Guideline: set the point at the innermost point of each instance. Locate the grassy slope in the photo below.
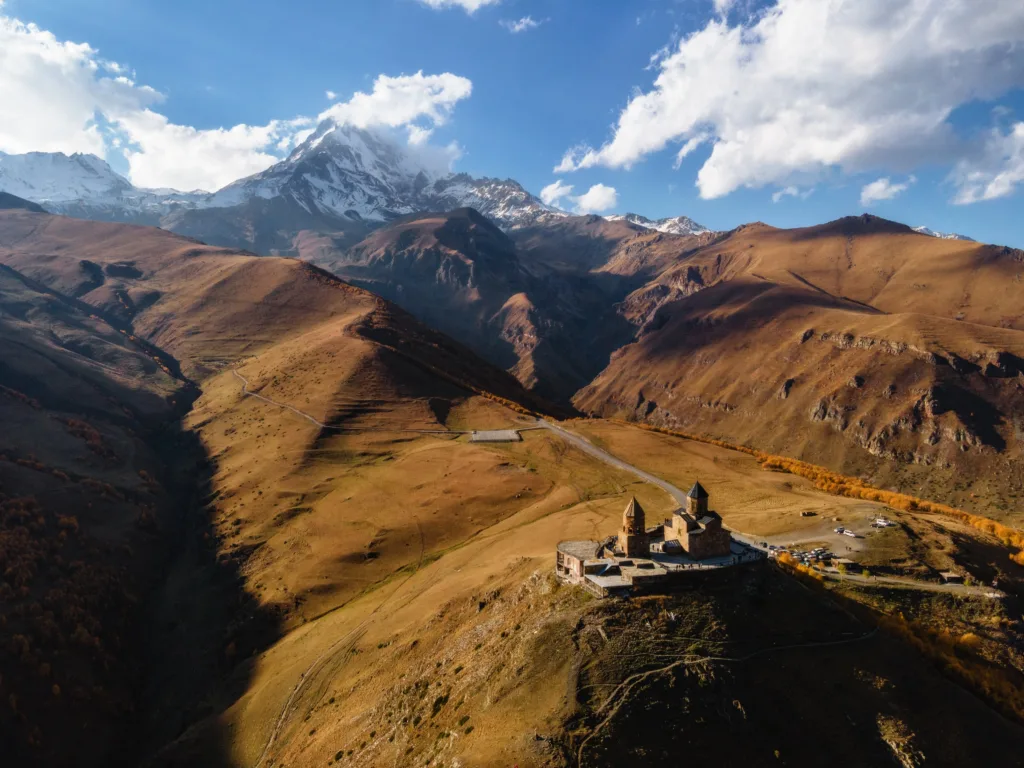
(392, 648)
(855, 345)
(389, 559)
(81, 509)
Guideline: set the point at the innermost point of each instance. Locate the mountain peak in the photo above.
(53, 177)
(675, 225)
(942, 235)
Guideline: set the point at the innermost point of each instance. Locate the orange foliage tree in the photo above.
(852, 487)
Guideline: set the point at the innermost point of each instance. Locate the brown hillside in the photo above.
(210, 306)
(540, 303)
(110, 556)
(331, 573)
(85, 513)
(859, 344)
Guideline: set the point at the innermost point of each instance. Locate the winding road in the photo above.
(588, 447)
(677, 494)
(680, 497)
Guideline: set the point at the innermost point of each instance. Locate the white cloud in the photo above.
(791, 191)
(51, 91)
(997, 172)
(522, 25)
(552, 193)
(58, 96)
(883, 189)
(811, 85)
(571, 160)
(162, 154)
(787, 192)
(397, 101)
(723, 6)
(596, 199)
(688, 148)
(469, 6)
(331, 95)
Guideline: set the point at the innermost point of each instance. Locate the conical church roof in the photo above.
(633, 509)
(697, 492)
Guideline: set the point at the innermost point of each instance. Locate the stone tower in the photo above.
(633, 540)
(697, 501)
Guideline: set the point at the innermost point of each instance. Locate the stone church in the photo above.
(695, 531)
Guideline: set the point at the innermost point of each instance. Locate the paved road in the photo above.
(588, 447)
(680, 496)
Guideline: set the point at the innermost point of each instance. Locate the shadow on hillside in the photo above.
(753, 668)
(205, 629)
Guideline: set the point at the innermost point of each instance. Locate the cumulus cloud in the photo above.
(996, 172)
(419, 135)
(401, 100)
(521, 25)
(597, 199)
(59, 96)
(331, 95)
(162, 154)
(883, 189)
(552, 193)
(51, 91)
(810, 85)
(469, 6)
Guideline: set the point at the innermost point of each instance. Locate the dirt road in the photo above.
(927, 586)
(680, 496)
(588, 447)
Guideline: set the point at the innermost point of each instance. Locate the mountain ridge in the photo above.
(339, 176)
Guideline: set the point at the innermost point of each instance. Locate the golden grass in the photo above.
(850, 487)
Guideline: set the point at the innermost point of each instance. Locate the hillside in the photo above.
(859, 344)
(539, 302)
(473, 654)
(112, 558)
(461, 274)
(87, 505)
(287, 551)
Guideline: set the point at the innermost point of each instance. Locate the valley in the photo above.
(512, 384)
(316, 565)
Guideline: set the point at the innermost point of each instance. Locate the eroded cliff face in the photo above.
(860, 391)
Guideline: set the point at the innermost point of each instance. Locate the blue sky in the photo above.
(566, 82)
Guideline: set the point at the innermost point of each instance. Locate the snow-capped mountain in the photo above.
(942, 235)
(356, 174)
(504, 201)
(86, 186)
(338, 174)
(675, 225)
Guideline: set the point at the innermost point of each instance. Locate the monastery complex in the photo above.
(642, 559)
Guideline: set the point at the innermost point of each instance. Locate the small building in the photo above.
(570, 557)
(951, 577)
(698, 529)
(496, 436)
